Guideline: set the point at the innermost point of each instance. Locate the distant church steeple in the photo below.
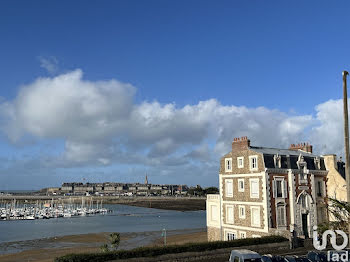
(146, 180)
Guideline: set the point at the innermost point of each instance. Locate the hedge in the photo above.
(171, 249)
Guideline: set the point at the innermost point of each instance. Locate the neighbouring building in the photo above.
(266, 191)
(117, 189)
(336, 183)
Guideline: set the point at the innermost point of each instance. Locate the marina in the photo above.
(47, 210)
(122, 219)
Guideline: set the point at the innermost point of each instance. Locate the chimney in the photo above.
(302, 146)
(239, 144)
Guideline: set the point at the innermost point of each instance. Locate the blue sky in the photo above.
(267, 69)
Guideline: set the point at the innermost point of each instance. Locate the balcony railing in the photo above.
(213, 197)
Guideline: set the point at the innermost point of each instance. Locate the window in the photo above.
(281, 216)
(214, 213)
(241, 210)
(279, 188)
(255, 216)
(229, 214)
(302, 201)
(254, 188)
(242, 234)
(228, 164)
(241, 185)
(240, 162)
(317, 162)
(253, 162)
(230, 236)
(277, 160)
(303, 177)
(228, 188)
(319, 188)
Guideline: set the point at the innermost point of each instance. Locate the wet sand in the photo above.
(183, 239)
(45, 250)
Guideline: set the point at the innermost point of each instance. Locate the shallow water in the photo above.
(123, 219)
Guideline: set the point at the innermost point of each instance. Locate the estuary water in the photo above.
(122, 219)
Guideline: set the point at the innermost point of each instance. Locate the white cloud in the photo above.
(101, 124)
(50, 64)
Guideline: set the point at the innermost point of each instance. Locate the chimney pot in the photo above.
(239, 144)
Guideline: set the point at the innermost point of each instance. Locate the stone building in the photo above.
(266, 191)
(336, 184)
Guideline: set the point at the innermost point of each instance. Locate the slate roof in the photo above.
(289, 158)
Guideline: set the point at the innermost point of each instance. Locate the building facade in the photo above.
(266, 191)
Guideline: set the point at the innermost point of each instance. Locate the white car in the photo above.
(244, 255)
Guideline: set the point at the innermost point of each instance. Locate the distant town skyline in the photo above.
(114, 90)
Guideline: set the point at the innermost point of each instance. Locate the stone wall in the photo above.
(242, 196)
(213, 233)
(243, 221)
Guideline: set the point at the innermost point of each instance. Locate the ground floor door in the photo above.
(305, 225)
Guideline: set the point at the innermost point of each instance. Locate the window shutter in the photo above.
(285, 189)
(274, 188)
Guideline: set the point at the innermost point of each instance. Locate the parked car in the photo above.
(302, 259)
(317, 256)
(271, 258)
(290, 259)
(244, 255)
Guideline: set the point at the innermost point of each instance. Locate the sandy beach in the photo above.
(45, 250)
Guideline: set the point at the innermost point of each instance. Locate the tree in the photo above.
(340, 210)
(211, 190)
(114, 243)
(115, 240)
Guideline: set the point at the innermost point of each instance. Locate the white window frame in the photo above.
(255, 195)
(228, 160)
(239, 211)
(242, 234)
(239, 188)
(214, 217)
(252, 218)
(229, 184)
(238, 162)
(283, 187)
(232, 232)
(279, 225)
(251, 162)
(233, 214)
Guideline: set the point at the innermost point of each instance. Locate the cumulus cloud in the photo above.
(100, 124)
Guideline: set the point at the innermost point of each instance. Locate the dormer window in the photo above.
(302, 169)
(317, 163)
(277, 161)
